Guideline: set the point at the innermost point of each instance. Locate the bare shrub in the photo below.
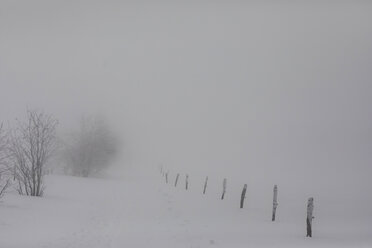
(32, 143)
(90, 149)
(4, 175)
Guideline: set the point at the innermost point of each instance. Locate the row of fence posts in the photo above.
(310, 205)
(224, 185)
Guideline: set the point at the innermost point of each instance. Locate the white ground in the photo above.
(139, 212)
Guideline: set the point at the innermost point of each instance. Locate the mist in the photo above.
(250, 91)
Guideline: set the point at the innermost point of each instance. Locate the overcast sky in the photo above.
(273, 90)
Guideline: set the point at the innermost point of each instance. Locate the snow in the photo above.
(140, 210)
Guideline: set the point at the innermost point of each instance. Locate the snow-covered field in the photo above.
(143, 211)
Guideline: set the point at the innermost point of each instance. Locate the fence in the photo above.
(204, 188)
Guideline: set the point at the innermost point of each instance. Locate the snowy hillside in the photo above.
(143, 211)
(259, 93)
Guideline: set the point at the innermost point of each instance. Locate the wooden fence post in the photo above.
(243, 196)
(187, 181)
(175, 183)
(275, 202)
(205, 185)
(309, 217)
(223, 188)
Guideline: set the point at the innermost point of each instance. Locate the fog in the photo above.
(251, 91)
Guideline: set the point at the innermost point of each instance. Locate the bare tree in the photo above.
(32, 143)
(90, 149)
(3, 146)
(4, 175)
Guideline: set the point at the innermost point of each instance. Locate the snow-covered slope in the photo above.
(143, 211)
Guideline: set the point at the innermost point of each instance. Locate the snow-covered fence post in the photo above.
(275, 201)
(166, 177)
(205, 185)
(243, 196)
(175, 183)
(309, 217)
(187, 181)
(223, 188)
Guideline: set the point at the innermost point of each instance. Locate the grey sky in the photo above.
(242, 88)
